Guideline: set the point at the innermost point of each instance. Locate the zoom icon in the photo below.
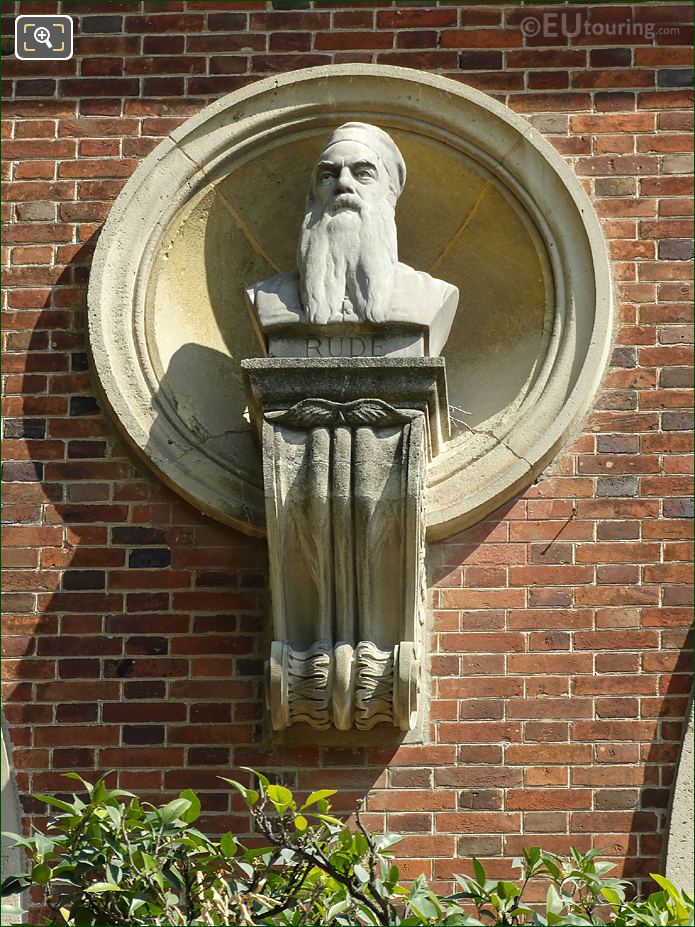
(43, 38)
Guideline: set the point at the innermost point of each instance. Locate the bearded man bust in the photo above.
(349, 280)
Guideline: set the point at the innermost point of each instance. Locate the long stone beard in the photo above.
(349, 254)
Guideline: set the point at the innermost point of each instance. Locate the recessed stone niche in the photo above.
(488, 206)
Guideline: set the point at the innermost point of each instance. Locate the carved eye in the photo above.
(363, 173)
(325, 176)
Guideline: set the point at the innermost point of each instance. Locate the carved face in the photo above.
(348, 175)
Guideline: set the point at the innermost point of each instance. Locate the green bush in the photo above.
(113, 860)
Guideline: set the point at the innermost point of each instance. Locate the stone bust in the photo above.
(348, 272)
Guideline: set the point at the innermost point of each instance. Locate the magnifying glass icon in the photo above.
(43, 36)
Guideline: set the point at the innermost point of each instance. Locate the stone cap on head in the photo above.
(379, 142)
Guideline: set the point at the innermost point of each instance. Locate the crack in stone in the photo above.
(461, 229)
(239, 220)
(203, 441)
(500, 441)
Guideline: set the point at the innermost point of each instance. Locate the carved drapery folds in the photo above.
(343, 514)
(344, 483)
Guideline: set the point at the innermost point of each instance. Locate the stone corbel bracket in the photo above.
(344, 478)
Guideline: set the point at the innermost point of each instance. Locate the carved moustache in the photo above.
(346, 201)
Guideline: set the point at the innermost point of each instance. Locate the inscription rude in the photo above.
(345, 346)
(347, 342)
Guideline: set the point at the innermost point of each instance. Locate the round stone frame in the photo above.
(460, 491)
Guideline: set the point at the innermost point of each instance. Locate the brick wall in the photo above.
(134, 626)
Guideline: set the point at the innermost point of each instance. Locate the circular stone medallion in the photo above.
(489, 206)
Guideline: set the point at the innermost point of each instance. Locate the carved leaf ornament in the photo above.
(322, 413)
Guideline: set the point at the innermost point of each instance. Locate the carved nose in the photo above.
(345, 182)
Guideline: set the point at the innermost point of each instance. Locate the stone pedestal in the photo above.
(344, 476)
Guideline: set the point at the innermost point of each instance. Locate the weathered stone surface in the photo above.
(679, 859)
(12, 857)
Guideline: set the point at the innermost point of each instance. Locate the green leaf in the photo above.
(383, 842)
(136, 903)
(100, 791)
(11, 910)
(113, 874)
(337, 908)
(55, 802)
(325, 817)
(478, 870)
(610, 895)
(228, 845)
(263, 780)
(425, 907)
(173, 810)
(120, 793)
(459, 919)
(318, 796)
(99, 888)
(78, 778)
(666, 884)
(26, 842)
(44, 844)
(508, 890)
(143, 862)
(532, 855)
(193, 812)
(300, 822)
(281, 797)
(13, 884)
(116, 815)
(553, 902)
(250, 796)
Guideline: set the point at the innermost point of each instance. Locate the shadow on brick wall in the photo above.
(141, 626)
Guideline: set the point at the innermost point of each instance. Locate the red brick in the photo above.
(481, 38)
(476, 822)
(341, 40)
(129, 757)
(64, 735)
(415, 18)
(555, 58)
(435, 60)
(477, 777)
(165, 23)
(546, 799)
(482, 598)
